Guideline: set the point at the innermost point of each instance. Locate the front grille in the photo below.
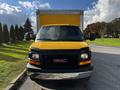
(63, 61)
(72, 56)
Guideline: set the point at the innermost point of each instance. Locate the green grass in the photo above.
(12, 61)
(106, 42)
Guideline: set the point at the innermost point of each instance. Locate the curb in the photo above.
(15, 84)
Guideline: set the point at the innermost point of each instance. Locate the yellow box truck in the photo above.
(59, 51)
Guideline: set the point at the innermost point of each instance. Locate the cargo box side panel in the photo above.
(73, 19)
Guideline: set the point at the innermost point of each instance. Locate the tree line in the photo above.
(104, 29)
(15, 33)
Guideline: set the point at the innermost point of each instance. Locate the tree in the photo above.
(12, 34)
(5, 34)
(21, 33)
(103, 29)
(16, 32)
(27, 26)
(0, 33)
(115, 27)
(99, 28)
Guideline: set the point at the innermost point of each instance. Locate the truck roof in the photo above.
(60, 11)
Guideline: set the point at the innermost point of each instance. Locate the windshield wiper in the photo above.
(46, 39)
(70, 39)
(61, 39)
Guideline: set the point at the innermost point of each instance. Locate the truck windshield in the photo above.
(60, 33)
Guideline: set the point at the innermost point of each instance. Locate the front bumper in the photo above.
(37, 73)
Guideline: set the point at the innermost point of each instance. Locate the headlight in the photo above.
(35, 56)
(84, 56)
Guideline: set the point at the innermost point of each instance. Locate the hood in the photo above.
(58, 45)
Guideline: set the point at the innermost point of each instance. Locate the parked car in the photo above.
(29, 36)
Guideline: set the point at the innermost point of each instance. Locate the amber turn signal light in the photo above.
(34, 62)
(85, 62)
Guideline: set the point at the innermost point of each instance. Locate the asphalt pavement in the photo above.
(106, 75)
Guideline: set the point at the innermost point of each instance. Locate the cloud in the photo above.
(45, 5)
(26, 4)
(106, 10)
(10, 14)
(9, 9)
(33, 21)
(34, 4)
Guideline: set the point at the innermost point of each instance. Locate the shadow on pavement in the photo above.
(64, 84)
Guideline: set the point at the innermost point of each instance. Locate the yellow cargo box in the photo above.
(72, 17)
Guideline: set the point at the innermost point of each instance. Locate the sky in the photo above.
(16, 11)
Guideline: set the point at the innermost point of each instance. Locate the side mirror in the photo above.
(92, 36)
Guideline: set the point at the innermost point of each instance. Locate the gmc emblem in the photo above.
(60, 60)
